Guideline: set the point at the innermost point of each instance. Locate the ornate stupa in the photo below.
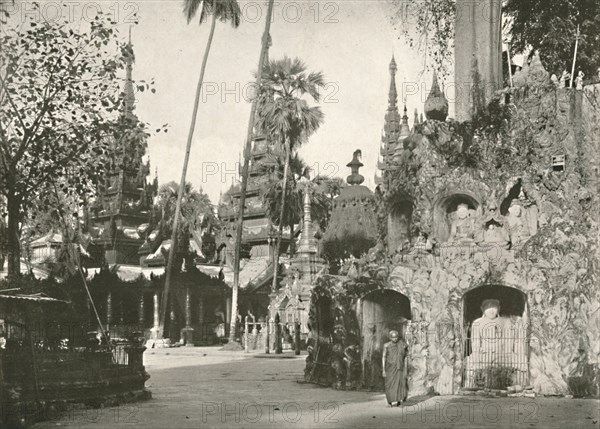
(391, 128)
(353, 226)
(436, 105)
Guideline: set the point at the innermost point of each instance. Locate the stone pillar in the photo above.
(141, 320)
(228, 309)
(187, 333)
(156, 320)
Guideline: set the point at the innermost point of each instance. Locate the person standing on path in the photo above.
(394, 369)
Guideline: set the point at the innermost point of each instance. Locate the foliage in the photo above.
(550, 27)
(494, 377)
(485, 143)
(60, 107)
(282, 112)
(196, 209)
(433, 22)
(286, 116)
(329, 188)
(224, 10)
(322, 191)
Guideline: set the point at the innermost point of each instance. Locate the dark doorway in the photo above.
(380, 312)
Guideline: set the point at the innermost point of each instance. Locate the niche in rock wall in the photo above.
(521, 214)
(448, 218)
(399, 224)
(379, 312)
(495, 344)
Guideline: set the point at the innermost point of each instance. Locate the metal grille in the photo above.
(496, 357)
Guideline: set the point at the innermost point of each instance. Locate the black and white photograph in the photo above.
(299, 214)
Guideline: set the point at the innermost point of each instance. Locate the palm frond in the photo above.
(225, 10)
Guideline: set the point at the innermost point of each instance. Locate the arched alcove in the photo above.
(379, 312)
(495, 349)
(324, 323)
(443, 209)
(399, 223)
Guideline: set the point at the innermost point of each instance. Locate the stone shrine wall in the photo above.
(526, 230)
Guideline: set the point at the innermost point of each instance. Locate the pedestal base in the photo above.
(187, 336)
(158, 343)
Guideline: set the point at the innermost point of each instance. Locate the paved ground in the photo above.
(206, 388)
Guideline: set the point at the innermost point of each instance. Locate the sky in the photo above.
(351, 42)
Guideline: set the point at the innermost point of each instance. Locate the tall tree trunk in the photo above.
(13, 245)
(244, 185)
(169, 275)
(281, 212)
(292, 248)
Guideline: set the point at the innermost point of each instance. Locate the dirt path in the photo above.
(206, 388)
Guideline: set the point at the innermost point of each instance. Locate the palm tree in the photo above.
(266, 39)
(287, 117)
(196, 209)
(224, 10)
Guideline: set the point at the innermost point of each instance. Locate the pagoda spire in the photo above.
(393, 93)
(391, 128)
(129, 98)
(308, 243)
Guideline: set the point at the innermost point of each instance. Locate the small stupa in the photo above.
(436, 105)
(353, 226)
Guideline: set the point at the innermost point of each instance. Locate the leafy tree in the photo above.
(286, 116)
(550, 27)
(328, 188)
(196, 208)
(60, 111)
(273, 165)
(196, 213)
(225, 11)
(428, 26)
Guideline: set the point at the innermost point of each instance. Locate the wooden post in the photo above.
(268, 331)
(297, 337)
(200, 310)
(187, 332)
(510, 76)
(246, 334)
(278, 346)
(141, 320)
(108, 310)
(188, 307)
(575, 57)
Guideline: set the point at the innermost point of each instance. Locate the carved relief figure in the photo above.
(521, 220)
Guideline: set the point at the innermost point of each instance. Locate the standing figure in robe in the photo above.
(394, 365)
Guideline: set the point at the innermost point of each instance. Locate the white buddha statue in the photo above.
(462, 227)
(488, 333)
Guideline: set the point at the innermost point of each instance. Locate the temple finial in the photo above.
(355, 178)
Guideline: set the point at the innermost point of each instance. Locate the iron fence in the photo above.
(496, 361)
